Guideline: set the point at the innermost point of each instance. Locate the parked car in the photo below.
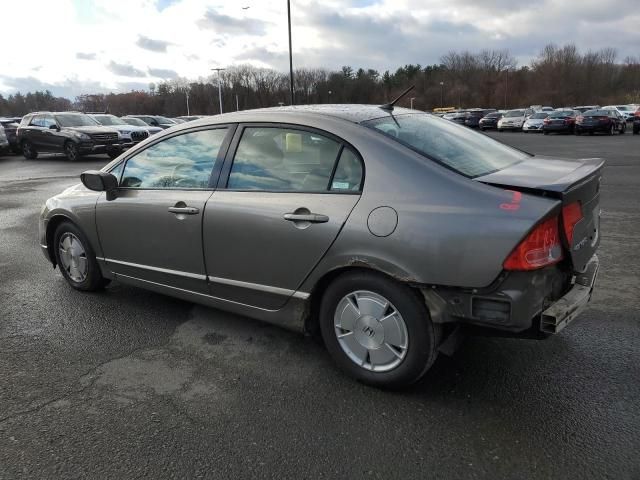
(473, 117)
(490, 121)
(459, 116)
(4, 141)
(636, 122)
(584, 108)
(72, 133)
(535, 122)
(129, 134)
(625, 110)
(10, 126)
(560, 121)
(513, 120)
(139, 123)
(189, 118)
(601, 120)
(155, 120)
(270, 214)
(178, 120)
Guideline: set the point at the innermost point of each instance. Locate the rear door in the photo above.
(152, 230)
(284, 194)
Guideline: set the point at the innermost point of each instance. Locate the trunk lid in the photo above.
(569, 181)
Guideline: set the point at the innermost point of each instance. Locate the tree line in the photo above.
(558, 76)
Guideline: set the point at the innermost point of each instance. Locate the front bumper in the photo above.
(558, 128)
(509, 126)
(89, 148)
(532, 128)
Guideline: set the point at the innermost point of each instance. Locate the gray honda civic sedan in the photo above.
(382, 229)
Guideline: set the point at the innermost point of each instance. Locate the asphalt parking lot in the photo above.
(127, 383)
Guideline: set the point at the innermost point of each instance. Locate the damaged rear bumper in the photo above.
(518, 303)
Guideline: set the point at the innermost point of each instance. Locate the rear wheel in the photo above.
(76, 259)
(623, 128)
(71, 151)
(28, 150)
(377, 330)
(611, 130)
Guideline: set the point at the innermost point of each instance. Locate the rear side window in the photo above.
(37, 121)
(283, 159)
(454, 146)
(181, 162)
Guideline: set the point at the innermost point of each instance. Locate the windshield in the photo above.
(135, 121)
(164, 120)
(539, 115)
(494, 115)
(108, 120)
(76, 120)
(514, 113)
(454, 146)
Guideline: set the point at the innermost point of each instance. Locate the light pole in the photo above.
(441, 94)
(186, 92)
(237, 107)
(219, 85)
(411, 100)
(290, 54)
(506, 87)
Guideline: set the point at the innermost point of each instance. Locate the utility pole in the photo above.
(290, 54)
(219, 85)
(237, 104)
(506, 87)
(186, 92)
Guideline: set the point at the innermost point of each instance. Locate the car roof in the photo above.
(351, 112)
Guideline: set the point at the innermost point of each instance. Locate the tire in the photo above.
(545, 132)
(500, 130)
(636, 131)
(71, 151)
(623, 129)
(29, 151)
(577, 132)
(79, 266)
(611, 130)
(401, 351)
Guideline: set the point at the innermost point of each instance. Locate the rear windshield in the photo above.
(596, 113)
(454, 146)
(562, 113)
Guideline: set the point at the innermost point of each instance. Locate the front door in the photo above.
(287, 195)
(152, 230)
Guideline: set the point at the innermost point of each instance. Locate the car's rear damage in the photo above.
(550, 292)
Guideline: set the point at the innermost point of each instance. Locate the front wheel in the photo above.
(611, 130)
(623, 128)
(377, 330)
(71, 151)
(29, 151)
(76, 259)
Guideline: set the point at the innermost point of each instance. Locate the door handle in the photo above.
(306, 217)
(185, 210)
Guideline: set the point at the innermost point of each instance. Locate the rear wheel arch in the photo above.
(312, 319)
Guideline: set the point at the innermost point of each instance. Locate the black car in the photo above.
(10, 129)
(72, 133)
(490, 121)
(473, 117)
(560, 121)
(155, 120)
(600, 120)
(636, 122)
(458, 116)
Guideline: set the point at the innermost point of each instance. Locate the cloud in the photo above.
(85, 56)
(151, 44)
(163, 73)
(125, 70)
(221, 23)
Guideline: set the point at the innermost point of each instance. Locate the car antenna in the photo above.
(389, 106)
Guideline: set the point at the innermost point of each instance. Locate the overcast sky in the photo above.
(84, 46)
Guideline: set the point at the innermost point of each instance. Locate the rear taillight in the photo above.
(571, 214)
(540, 248)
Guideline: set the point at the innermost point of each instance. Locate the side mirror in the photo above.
(54, 127)
(99, 181)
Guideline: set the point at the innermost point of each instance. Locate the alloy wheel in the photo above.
(73, 257)
(371, 331)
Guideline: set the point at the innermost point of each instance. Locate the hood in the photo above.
(92, 130)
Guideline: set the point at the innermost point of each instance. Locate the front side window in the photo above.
(76, 120)
(37, 121)
(181, 162)
(283, 159)
(451, 145)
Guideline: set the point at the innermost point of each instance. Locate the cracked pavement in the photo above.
(128, 383)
